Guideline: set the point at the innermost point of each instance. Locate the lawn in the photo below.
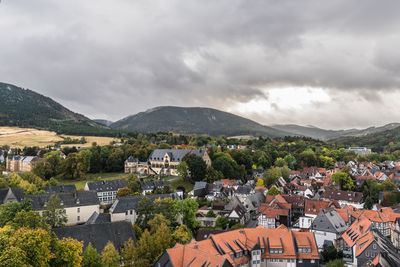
(187, 185)
(80, 184)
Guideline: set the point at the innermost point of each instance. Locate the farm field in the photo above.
(20, 137)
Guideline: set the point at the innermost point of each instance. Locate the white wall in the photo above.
(321, 236)
(84, 214)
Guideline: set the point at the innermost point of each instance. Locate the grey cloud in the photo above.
(112, 59)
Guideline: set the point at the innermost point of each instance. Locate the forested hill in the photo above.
(194, 120)
(25, 108)
(383, 141)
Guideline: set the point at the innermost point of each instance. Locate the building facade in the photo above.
(20, 163)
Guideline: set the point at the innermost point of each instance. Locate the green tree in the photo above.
(387, 185)
(13, 257)
(196, 167)
(35, 243)
(260, 182)
(211, 214)
(128, 253)
(221, 222)
(182, 234)
(280, 162)
(145, 212)
(145, 251)
(137, 230)
(369, 203)
(182, 169)
(134, 183)
(29, 219)
(74, 166)
(91, 258)
(9, 210)
(285, 172)
(110, 256)
(271, 176)
(54, 213)
(166, 207)
(290, 161)
(125, 191)
(225, 164)
(213, 175)
(188, 208)
(3, 182)
(68, 252)
(273, 191)
(343, 180)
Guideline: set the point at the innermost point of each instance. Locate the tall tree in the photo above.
(68, 253)
(196, 166)
(110, 256)
(128, 253)
(55, 213)
(188, 208)
(145, 212)
(91, 258)
(343, 180)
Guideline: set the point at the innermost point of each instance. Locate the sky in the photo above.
(331, 64)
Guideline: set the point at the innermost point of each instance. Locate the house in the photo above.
(124, 208)
(246, 247)
(243, 191)
(106, 190)
(99, 218)
(200, 189)
(20, 163)
(236, 211)
(344, 197)
(360, 151)
(99, 234)
(273, 217)
(328, 226)
(313, 207)
(298, 203)
(163, 161)
(15, 194)
(366, 245)
(78, 205)
(60, 188)
(381, 219)
(150, 186)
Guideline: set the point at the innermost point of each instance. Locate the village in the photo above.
(305, 219)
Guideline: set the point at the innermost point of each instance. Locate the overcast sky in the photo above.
(333, 64)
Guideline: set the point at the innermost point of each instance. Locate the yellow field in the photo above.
(21, 137)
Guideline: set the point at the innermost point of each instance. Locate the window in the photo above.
(131, 212)
(126, 212)
(79, 210)
(79, 218)
(312, 261)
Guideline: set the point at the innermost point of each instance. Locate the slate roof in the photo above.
(99, 218)
(107, 185)
(175, 155)
(17, 191)
(69, 199)
(123, 204)
(333, 193)
(131, 159)
(333, 217)
(243, 190)
(60, 188)
(150, 185)
(99, 234)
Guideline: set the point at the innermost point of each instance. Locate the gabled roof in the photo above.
(69, 199)
(18, 192)
(122, 204)
(99, 234)
(359, 227)
(333, 193)
(175, 155)
(107, 185)
(337, 224)
(99, 218)
(226, 246)
(314, 206)
(131, 159)
(60, 188)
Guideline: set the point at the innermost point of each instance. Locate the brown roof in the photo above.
(221, 247)
(314, 206)
(333, 193)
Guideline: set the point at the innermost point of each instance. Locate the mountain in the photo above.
(103, 122)
(322, 134)
(194, 120)
(25, 108)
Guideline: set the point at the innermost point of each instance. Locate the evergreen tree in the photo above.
(91, 258)
(110, 256)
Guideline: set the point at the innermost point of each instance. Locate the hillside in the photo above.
(194, 120)
(103, 122)
(322, 134)
(25, 108)
(378, 142)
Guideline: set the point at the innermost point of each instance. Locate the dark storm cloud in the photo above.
(110, 59)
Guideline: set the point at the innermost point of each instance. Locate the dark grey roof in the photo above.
(99, 234)
(176, 155)
(99, 218)
(150, 185)
(123, 204)
(131, 159)
(69, 199)
(18, 192)
(107, 185)
(243, 190)
(199, 185)
(60, 188)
